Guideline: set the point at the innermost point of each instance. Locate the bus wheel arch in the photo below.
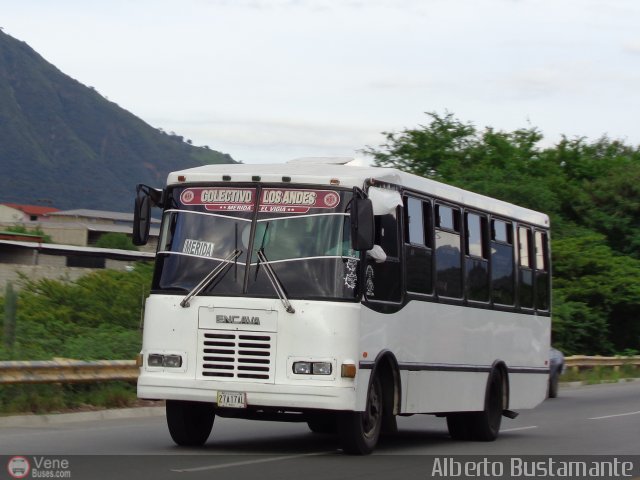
(360, 431)
(386, 367)
(500, 367)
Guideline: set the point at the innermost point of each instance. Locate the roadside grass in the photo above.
(57, 398)
(597, 375)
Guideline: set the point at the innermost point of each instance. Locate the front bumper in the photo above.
(295, 397)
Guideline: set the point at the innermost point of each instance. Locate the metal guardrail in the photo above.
(67, 371)
(76, 371)
(576, 362)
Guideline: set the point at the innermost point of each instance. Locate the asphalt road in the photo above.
(588, 420)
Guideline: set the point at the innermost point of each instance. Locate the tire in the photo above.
(458, 426)
(360, 431)
(190, 423)
(324, 423)
(554, 378)
(481, 426)
(485, 425)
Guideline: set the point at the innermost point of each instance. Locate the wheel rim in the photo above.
(372, 417)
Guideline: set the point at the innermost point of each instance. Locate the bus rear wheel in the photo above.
(190, 423)
(360, 431)
(482, 426)
(554, 378)
(458, 425)
(485, 426)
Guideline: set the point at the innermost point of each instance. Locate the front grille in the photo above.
(245, 356)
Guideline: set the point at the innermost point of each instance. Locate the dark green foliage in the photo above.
(591, 190)
(599, 293)
(115, 240)
(10, 308)
(65, 145)
(29, 231)
(94, 318)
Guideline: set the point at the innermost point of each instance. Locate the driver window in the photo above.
(386, 234)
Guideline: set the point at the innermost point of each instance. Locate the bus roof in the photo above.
(352, 173)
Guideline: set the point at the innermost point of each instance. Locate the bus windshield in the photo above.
(303, 234)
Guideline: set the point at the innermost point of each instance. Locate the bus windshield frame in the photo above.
(302, 231)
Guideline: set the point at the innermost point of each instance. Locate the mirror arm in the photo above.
(154, 194)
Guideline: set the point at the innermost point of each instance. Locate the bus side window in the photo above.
(418, 252)
(447, 244)
(525, 267)
(476, 257)
(502, 268)
(542, 271)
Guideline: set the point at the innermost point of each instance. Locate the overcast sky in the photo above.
(271, 80)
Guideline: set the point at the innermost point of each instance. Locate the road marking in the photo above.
(518, 428)
(617, 415)
(247, 462)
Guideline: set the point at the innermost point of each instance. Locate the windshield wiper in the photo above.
(261, 249)
(210, 277)
(273, 278)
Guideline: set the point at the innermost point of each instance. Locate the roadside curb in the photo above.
(60, 418)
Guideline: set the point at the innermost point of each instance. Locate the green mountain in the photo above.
(62, 144)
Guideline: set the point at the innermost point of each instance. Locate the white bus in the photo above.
(341, 296)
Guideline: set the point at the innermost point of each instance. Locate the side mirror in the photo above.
(141, 218)
(362, 225)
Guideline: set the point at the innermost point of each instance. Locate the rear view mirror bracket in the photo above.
(146, 197)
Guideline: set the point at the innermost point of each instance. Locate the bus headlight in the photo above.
(167, 361)
(154, 360)
(312, 368)
(172, 361)
(321, 368)
(302, 368)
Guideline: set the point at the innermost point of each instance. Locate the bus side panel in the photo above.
(527, 391)
(448, 351)
(458, 391)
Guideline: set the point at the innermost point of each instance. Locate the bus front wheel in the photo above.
(359, 431)
(322, 423)
(190, 423)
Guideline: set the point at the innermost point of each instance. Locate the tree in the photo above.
(423, 151)
(115, 240)
(10, 310)
(589, 189)
(597, 296)
(95, 317)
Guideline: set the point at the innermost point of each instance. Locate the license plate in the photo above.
(232, 400)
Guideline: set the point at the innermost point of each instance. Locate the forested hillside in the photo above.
(63, 144)
(590, 189)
